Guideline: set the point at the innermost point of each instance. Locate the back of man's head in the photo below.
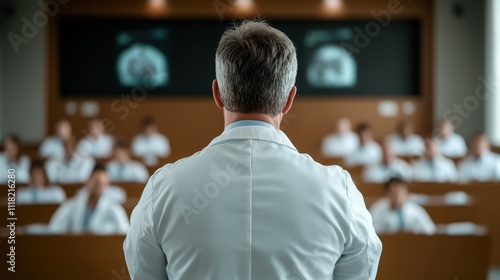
(256, 66)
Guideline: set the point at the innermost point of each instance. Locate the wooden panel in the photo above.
(416, 257)
(101, 257)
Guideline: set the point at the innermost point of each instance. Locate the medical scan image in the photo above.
(140, 62)
(330, 64)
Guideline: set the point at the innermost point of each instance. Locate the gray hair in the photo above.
(255, 66)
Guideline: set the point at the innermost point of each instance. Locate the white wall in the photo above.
(493, 69)
(22, 80)
(459, 61)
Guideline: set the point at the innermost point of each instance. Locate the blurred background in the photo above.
(95, 95)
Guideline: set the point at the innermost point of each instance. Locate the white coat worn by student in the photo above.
(108, 217)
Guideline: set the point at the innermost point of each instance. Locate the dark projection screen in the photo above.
(109, 57)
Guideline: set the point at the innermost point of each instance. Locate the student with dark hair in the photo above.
(481, 164)
(122, 168)
(150, 144)
(72, 167)
(91, 210)
(12, 157)
(395, 213)
(39, 191)
(369, 152)
(405, 141)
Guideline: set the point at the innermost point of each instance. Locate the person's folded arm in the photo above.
(363, 248)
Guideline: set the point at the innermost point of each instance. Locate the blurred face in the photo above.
(397, 194)
(96, 128)
(63, 130)
(446, 129)
(343, 126)
(98, 182)
(479, 145)
(121, 154)
(11, 148)
(405, 130)
(365, 136)
(37, 177)
(150, 129)
(431, 149)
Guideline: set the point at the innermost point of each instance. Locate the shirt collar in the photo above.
(248, 123)
(262, 131)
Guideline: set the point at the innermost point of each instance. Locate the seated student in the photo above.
(72, 167)
(390, 166)
(450, 144)
(405, 142)
(12, 158)
(481, 164)
(433, 167)
(150, 144)
(91, 210)
(38, 191)
(395, 213)
(53, 146)
(369, 151)
(122, 169)
(342, 142)
(96, 143)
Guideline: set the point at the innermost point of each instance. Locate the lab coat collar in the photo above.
(254, 133)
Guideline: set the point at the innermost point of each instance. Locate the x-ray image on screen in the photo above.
(141, 61)
(330, 65)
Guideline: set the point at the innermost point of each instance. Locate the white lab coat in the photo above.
(100, 147)
(453, 146)
(52, 147)
(415, 218)
(368, 154)
(440, 169)
(114, 193)
(108, 217)
(150, 148)
(485, 168)
(339, 145)
(379, 173)
(40, 195)
(413, 145)
(76, 170)
(249, 206)
(131, 171)
(22, 168)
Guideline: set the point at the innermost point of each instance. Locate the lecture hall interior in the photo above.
(97, 95)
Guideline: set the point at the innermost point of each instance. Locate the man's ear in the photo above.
(216, 93)
(289, 101)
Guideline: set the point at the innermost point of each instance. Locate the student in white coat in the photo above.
(450, 143)
(390, 166)
(481, 164)
(369, 151)
(433, 167)
(342, 142)
(73, 167)
(249, 205)
(395, 213)
(12, 157)
(123, 169)
(39, 191)
(91, 211)
(53, 146)
(150, 144)
(97, 142)
(405, 142)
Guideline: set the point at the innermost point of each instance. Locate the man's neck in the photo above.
(231, 117)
